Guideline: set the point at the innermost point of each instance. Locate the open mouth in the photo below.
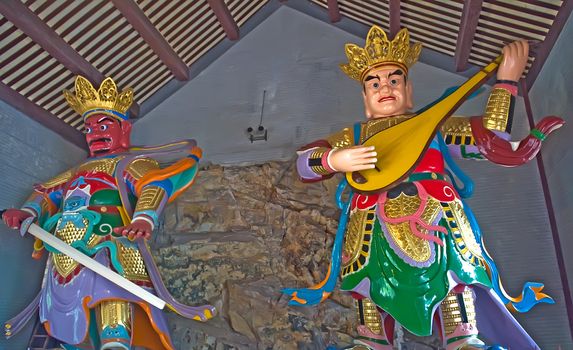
(103, 140)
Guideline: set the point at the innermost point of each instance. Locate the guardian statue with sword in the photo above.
(101, 288)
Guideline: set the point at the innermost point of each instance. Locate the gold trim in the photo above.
(113, 313)
(59, 179)
(374, 126)
(497, 110)
(87, 98)
(371, 315)
(354, 234)
(342, 139)
(451, 310)
(357, 240)
(150, 198)
(69, 233)
(380, 51)
(462, 233)
(458, 126)
(132, 263)
(412, 246)
(104, 165)
(318, 154)
(141, 166)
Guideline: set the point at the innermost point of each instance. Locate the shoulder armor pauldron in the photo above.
(141, 166)
(58, 180)
(341, 139)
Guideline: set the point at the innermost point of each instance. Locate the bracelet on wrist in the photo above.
(505, 81)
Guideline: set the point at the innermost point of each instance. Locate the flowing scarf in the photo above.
(531, 294)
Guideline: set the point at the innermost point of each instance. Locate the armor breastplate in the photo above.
(91, 209)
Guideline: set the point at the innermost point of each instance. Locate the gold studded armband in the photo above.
(317, 161)
(457, 131)
(499, 110)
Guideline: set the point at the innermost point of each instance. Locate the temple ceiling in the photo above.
(148, 44)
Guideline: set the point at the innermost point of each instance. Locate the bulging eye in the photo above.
(376, 85)
(88, 130)
(394, 82)
(103, 127)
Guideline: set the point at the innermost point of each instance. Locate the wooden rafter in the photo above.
(33, 26)
(225, 18)
(28, 22)
(542, 51)
(394, 6)
(333, 11)
(468, 26)
(42, 116)
(136, 17)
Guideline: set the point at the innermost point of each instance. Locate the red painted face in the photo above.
(106, 135)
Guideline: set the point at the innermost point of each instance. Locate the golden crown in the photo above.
(106, 100)
(380, 51)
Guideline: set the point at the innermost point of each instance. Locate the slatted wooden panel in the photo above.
(31, 71)
(368, 12)
(503, 21)
(99, 33)
(242, 10)
(188, 26)
(433, 23)
(191, 28)
(436, 24)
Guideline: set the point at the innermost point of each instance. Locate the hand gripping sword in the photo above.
(48, 238)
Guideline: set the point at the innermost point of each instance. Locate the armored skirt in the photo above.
(407, 248)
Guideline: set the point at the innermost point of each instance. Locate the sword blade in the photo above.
(95, 266)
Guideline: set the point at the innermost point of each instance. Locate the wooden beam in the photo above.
(42, 116)
(394, 8)
(545, 47)
(225, 18)
(468, 25)
(28, 22)
(139, 21)
(33, 26)
(333, 10)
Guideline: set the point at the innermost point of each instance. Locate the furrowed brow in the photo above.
(396, 72)
(370, 77)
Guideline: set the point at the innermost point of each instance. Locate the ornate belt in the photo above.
(425, 176)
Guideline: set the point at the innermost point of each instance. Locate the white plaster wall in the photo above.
(295, 59)
(29, 154)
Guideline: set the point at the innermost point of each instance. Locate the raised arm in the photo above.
(498, 114)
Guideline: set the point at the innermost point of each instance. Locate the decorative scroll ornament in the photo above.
(106, 100)
(380, 51)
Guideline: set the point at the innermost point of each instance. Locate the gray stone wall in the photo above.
(239, 236)
(235, 239)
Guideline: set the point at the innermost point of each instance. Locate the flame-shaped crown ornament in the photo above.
(106, 100)
(380, 51)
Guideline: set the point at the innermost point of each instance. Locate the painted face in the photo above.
(386, 92)
(106, 135)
